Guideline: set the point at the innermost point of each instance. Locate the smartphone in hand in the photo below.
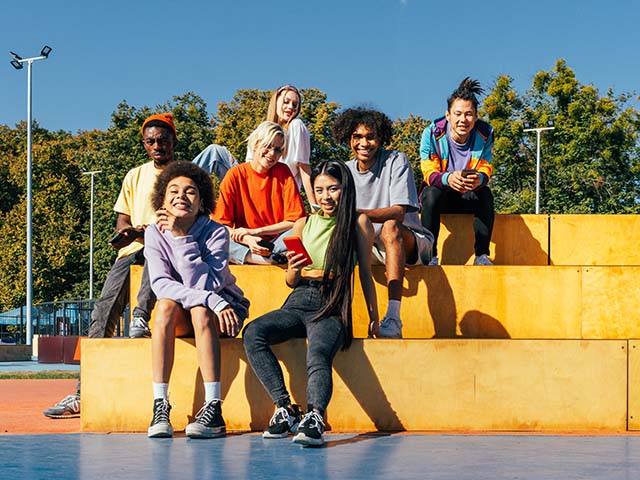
(295, 245)
(120, 240)
(267, 244)
(117, 241)
(468, 171)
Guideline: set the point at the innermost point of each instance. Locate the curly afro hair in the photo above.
(180, 168)
(349, 120)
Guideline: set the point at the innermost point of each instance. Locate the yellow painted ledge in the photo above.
(483, 302)
(634, 384)
(516, 240)
(532, 385)
(594, 239)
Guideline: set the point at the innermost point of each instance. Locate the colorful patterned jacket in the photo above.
(434, 152)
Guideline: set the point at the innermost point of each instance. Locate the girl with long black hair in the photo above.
(319, 307)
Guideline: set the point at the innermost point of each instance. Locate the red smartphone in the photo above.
(295, 245)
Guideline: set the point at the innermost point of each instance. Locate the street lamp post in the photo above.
(17, 63)
(538, 130)
(93, 174)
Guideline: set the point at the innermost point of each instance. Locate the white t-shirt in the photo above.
(298, 149)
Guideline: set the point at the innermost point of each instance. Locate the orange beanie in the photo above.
(164, 118)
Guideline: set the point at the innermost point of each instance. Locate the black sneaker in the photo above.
(160, 426)
(283, 422)
(279, 258)
(310, 431)
(209, 422)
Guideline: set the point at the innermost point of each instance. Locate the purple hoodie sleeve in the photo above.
(439, 179)
(170, 258)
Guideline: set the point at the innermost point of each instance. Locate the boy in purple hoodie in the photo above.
(187, 254)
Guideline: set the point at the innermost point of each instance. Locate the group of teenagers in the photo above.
(361, 212)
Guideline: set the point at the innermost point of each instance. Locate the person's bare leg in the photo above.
(209, 422)
(168, 316)
(399, 244)
(170, 320)
(205, 328)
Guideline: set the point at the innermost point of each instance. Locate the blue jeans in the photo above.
(238, 251)
(293, 320)
(115, 296)
(216, 160)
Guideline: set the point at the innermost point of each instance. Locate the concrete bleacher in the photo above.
(544, 340)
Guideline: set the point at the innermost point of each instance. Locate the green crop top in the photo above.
(315, 236)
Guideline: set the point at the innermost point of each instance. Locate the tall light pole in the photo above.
(538, 130)
(17, 63)
(93, 174)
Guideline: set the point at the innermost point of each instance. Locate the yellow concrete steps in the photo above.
(540, 385)
(485, 302)
(545, 239)
(560, 309)
(594, 239)
(516, 240)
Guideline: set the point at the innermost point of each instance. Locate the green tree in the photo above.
(61, 196)
(56, 219)
(236, 119)
(513, 178)
(590, 161)
(406, 138)
(120, 149)
(318, 114)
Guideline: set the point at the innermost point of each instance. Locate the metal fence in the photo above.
(65, 318)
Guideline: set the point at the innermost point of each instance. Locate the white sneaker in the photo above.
(482, 260)
(390, 328)
(68, 407)
(433, 261)
(139, 328)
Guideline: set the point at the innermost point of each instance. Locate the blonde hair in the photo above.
(272, 114)
(264, 135)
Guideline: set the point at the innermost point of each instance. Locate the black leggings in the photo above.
(436, 200)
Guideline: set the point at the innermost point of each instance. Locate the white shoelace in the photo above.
(161, 414)
(206, 413)
(281, 412)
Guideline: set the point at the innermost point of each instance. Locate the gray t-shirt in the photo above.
(389, 182)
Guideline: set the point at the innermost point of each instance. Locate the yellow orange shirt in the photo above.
(135, 200)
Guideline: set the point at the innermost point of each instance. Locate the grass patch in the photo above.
(47, 374)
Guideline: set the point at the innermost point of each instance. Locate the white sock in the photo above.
(211, 391)
(393, 309)
(160, 390)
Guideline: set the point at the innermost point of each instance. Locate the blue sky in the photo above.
(400, 56)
